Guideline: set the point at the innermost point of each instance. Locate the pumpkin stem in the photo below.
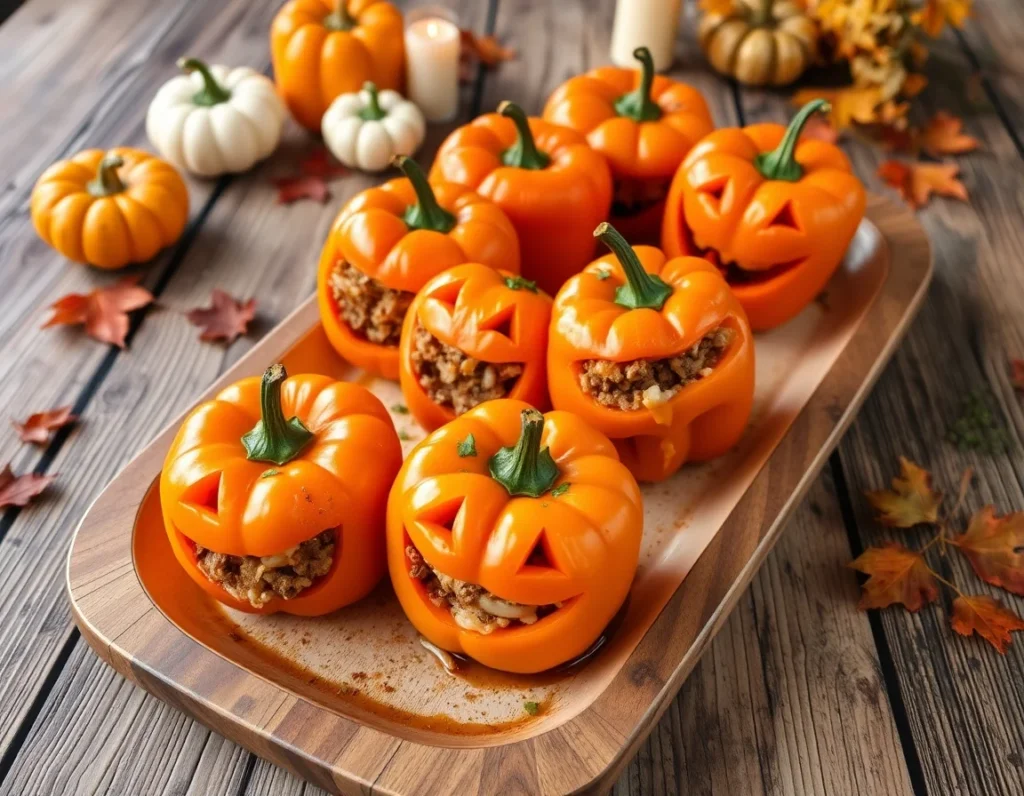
(763, 15)
(525, 469)
(373, 112)
(274, 439)
(642, 290)
(212, 92)
(426, 213)
(107, 182)
(339, 18)
(637, 104)
(779, 164)
(523, 154)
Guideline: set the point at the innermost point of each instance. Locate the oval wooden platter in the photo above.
(352, 703)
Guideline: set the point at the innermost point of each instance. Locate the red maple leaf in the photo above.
(103, 312)
(292, 189)
(896, 575)
(319, 163)
(225, 319)
(19, 490)
(986, 617)
(37, 427)
(1017, 373)
(995, 547)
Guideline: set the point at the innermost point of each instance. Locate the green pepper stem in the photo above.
(779, 164)
(426, 213)
(339, 18)
(107, 181)
(373, 112)
(637, 104)
(274, 439)
(212, 92)
(525, 469)
(642, 290)
(523, 154)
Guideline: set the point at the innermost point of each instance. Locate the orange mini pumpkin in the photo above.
(636, 307)
(493, 318)
(323, 48)
(265, 468)
(644, 124)
(534, 510)
(110, 208)
(776, 213)
(399, 235)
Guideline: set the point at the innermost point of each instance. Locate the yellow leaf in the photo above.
(934, 14)
(911, 501)
(849, 105)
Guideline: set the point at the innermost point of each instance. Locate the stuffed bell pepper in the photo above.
(473, 334)
(774, 212)
(513, 536)
(644, 124)
(654, 352)
(386, 243)
(551, 184)
(274, 493)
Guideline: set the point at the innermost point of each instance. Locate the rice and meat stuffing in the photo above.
(370, 309)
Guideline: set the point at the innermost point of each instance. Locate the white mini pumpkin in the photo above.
(215, 120)
(365, 129)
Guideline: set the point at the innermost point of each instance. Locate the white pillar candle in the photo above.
(432, 44)
(645, 23)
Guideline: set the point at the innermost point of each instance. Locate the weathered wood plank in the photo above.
(963, 700)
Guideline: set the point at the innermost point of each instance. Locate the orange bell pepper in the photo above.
(552, 185)
(637, 304)
(644, 124)
(321, 49)
(271, 463)
(401, 234)
(534, 508)
(493, 317)
(776, 213)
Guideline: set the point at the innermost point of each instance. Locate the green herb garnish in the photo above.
(403, 435)
(400, 409)
(467, 447)
(519, 283)
(979, 428)
(602, 273)
(532, 708)
(561, 489)
(269, 473)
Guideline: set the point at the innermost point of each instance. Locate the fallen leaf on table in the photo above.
(319, 163)
(1017, 373)
(896, 575)
(721, 7)
(225, 319)
(916, 182)
(896, 140)
(848, 105)
(943, 136)
(911, 501)
(995, 547)
(292, 189)
(913, 84)
(103, 312)
(817, 129)
(36, 429)
(19, 490)
(986, 617)
(933, 14)
(486, 49)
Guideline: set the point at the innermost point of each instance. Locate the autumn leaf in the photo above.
(485, 49)
(19, 490)
(292, 189)
(225, 319)
(720, 7)
(103, 312)
(916, 182)
(943, 136)
(36, 429)
(848, 105)
(995, 547)
(1017, 373)
(911, 501)
(934, 14)
(986, 617)
(817, 129)
(319, 163)
(896, 575)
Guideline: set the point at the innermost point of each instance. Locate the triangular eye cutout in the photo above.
(716, 190)
(443, 514)
(204, 493)
(502, 322)
(540, 555)
(785, 218)
(448, 293)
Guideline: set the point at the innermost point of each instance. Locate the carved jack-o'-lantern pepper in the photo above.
(386, 243)
(654, 352)
(274, 493)
(644, 124)
(473, 334)
(551, 184)
(774, 212)
(513, 536)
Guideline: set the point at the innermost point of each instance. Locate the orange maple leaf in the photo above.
(720, 7)
(896, 575)
(103, 312)
(943, 136)
(37, 427)
(911, 501)
(486, 49)
(934, 14)
(995, 547)
(986, 617)
(916, 182)
(849, 105)
(18, 490)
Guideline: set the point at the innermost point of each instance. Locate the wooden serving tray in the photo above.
(354, 704)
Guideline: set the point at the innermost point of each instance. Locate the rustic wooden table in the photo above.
(799, 693)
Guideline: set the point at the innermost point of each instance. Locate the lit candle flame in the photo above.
(433, 29)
